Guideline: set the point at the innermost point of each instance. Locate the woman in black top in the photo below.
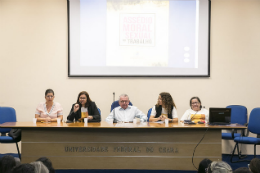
(84, 102)
(164, 109)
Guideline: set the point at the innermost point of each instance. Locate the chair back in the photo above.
(238, 114)
(254, 121)
(7, 114)
(149, 114)
(99, 111)
(116, 104)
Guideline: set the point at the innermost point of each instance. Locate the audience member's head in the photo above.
(242, 170)
(47, 163)
(204, 164)
(17, 161)
(24, 168)
(40, 167)
(219, 167)
(7, 163)
(255, 165)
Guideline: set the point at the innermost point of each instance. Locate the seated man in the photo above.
(125, 112)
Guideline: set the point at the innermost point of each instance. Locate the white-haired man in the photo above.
(125, 112)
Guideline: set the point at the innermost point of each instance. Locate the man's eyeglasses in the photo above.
(123, 101)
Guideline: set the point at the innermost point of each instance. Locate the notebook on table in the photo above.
(219, 116)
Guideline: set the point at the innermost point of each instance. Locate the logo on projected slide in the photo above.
(137, 29)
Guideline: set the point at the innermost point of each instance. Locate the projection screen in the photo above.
(156, 38)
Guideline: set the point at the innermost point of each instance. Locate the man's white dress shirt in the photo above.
(126, 115)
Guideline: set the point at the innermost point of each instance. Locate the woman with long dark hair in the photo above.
(84, 108)
(164, 109)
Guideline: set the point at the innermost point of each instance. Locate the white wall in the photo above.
(34, 57)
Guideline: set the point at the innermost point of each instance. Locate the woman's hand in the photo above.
(48, 119)
(76, 108)
(152, 119)
(163, 117)
(90, 117)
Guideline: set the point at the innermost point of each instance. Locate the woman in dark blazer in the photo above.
(84, 103)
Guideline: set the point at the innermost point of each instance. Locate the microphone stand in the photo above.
(114, 116)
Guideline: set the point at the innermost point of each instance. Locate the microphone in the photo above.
(190, 120)
(193, 116)
(114, 116)
(113, 97)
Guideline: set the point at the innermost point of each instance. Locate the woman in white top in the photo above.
(49, 110)
(164, 109)
(196, 113)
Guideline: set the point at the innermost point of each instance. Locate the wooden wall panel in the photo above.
(124, 148)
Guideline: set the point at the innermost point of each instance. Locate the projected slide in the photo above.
(138, 38)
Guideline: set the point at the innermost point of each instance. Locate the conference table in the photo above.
(149, 146)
